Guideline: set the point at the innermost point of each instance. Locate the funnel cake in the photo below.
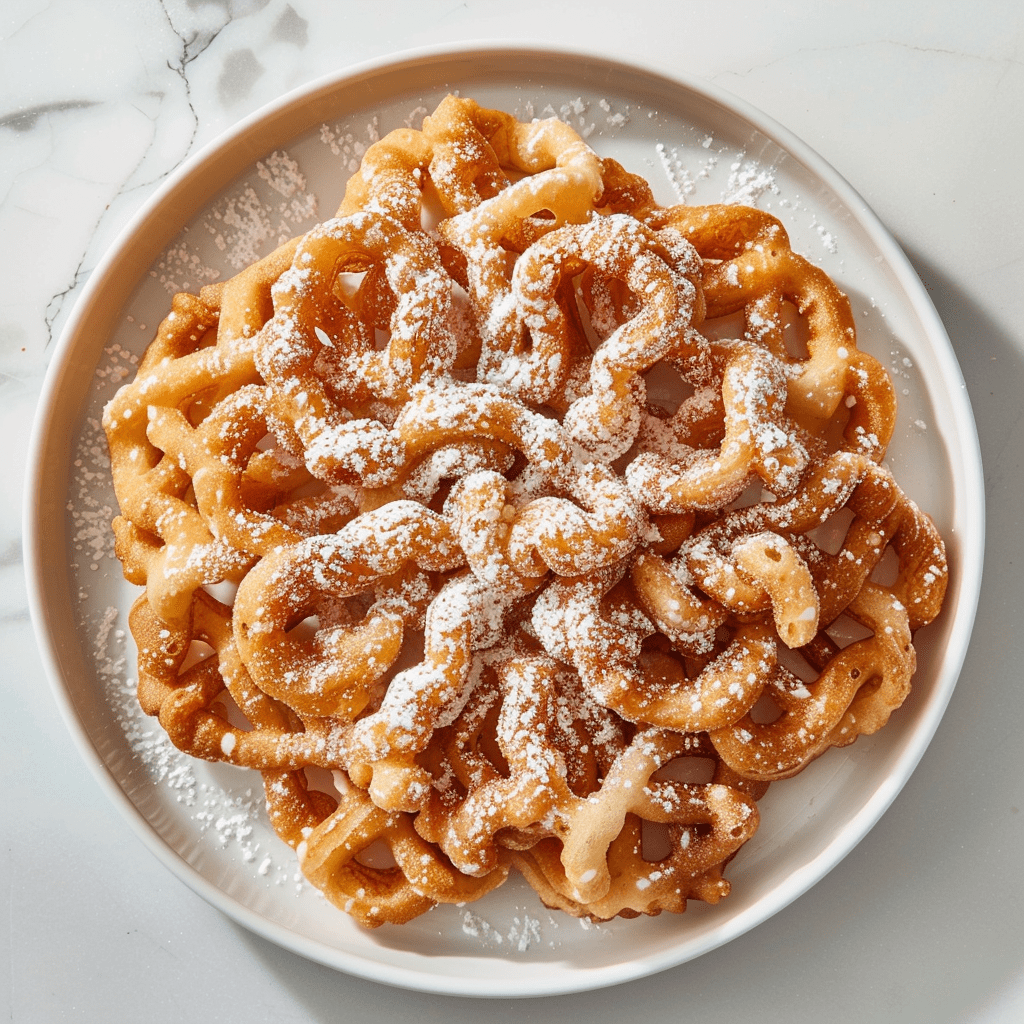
(479, 580)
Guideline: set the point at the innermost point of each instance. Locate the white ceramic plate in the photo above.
(274, 175)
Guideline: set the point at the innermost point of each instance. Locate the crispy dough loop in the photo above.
(605, 420)
(668, 598)
(758, 442)
(882, 516)
(458, 153)
(600, 869)
(380, 749)
(750, 266)
(215, 455)
(528, 717)
(535, 790)
(597, 522)
(562, 182)
(419, 878)
(330, 673)
(309, 318)
(628, 790)
(831, 710)
(604, 644)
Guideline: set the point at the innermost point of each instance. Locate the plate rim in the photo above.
(576, 980)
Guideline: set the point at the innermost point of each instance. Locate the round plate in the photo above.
(273, 176)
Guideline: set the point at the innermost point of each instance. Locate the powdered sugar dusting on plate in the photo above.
(271, 206)
(230, 819)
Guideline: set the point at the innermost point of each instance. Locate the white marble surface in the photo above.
(919, 106)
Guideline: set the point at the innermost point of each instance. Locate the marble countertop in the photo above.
(920, 109)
